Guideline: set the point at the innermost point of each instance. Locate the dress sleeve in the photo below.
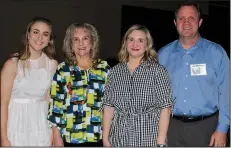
(107, 99)
(163, 89)
(57, 111)
(54, 65)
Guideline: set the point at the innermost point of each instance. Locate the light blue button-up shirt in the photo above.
(200, 79)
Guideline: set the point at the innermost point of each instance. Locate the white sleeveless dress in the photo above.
(27, 112)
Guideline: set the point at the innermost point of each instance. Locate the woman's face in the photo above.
(136, 44)
(81, 42)
(39, 36)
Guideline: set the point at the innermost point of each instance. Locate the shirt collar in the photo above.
(179, 47)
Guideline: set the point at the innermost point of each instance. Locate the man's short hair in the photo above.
(189, 3)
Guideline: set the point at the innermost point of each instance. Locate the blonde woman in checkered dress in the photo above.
(138, 98)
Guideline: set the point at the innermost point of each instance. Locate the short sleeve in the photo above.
(163, 89)
(56, 112)
(54, 65)
(107, 99)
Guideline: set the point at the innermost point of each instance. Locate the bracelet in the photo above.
(161, 145)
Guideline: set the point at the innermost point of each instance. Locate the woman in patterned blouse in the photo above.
(77, 88)
(138, 98)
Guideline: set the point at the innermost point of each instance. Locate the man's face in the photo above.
(187, 22)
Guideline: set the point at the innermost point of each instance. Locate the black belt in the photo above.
(192, 118)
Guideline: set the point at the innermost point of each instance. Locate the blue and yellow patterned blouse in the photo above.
(75, 100)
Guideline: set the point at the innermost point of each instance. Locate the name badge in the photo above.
(198, 69)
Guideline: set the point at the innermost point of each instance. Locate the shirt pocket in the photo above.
(148, 95)
(121, 97)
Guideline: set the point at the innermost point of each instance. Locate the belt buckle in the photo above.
(189, 119)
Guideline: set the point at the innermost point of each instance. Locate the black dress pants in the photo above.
(191, 134)
(87, 144)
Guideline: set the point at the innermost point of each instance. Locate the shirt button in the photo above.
(186, 76)
(186, 63)
(184, 100)
(185, 88)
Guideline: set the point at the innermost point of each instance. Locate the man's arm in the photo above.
(223, 80)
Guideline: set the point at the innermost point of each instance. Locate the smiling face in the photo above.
(187, 22)
(136, 44)
(81, 42)
(38, 36)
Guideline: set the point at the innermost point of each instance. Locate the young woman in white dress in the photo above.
(25, 82)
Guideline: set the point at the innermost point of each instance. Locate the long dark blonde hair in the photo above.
(150, 52)
(24, 51)
(70, 57)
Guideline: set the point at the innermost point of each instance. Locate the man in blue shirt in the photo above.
(199, 71)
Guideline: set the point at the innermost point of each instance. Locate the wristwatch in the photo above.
(161, 145)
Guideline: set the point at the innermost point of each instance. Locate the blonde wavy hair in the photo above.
(150, 52)
(70, 57)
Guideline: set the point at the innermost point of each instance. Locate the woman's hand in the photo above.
(108, 114)
(106, 143)
(5, 142)
(58, 142)
(57, 139)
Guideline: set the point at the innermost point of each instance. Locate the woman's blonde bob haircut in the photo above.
(149, 54)
(70, 57)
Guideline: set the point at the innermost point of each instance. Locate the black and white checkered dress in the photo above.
(138, 99)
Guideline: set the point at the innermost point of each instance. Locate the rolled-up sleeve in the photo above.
(163, 89)
(107, 99)
(56, 112)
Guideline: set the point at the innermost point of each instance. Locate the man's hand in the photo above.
(218, 139)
